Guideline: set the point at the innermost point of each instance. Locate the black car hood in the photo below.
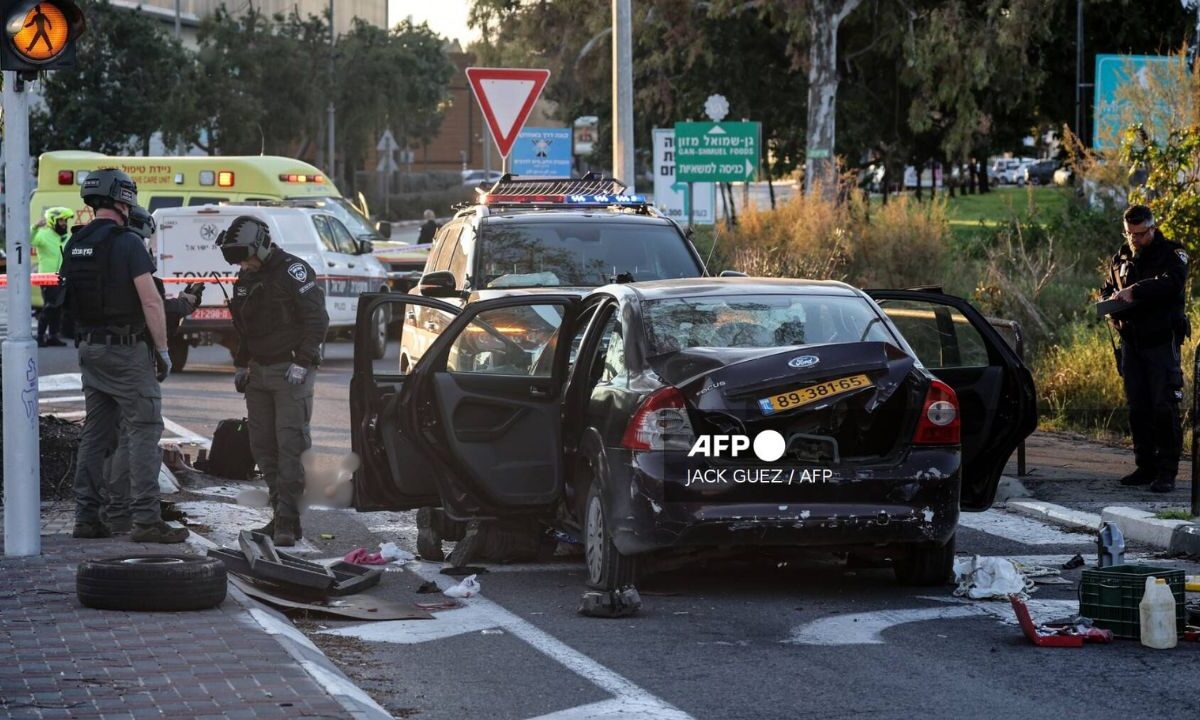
(736, 378)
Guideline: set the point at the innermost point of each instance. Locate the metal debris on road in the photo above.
(611, 604)
(357, 607)
(1073, 563)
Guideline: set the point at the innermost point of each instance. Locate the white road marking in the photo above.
(60, 383)
(629, 701)
(1017, 528)
(61, 400)
(867, 628)
(185, 436)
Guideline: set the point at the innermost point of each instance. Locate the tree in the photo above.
(116, 98)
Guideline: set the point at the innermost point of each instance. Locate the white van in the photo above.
(185, 246)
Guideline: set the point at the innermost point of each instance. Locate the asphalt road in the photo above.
(764, 636)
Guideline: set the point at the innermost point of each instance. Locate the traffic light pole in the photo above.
(22, 472)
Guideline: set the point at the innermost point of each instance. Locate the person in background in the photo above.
(48, 240)
(1149, 273)
(429, 229)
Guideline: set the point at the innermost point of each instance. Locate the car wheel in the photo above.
(925, 565)
(379, 335)
(178, 348)
(157, 583)
(607, 568)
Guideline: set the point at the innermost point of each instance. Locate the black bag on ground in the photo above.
(230, 455)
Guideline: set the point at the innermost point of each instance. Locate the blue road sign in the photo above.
(542, 152)
(1113, 111)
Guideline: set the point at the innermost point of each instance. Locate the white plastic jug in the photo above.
(1157, 611)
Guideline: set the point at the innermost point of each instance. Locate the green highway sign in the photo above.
(717, 152)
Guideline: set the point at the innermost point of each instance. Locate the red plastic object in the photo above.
(1031, 631)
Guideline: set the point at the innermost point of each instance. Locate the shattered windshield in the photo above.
(581, 254)
(765, 321)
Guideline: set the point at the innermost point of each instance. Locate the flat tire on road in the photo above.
(162, 583)
(607, 568)
(925, 565)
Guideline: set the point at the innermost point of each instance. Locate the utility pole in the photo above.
(22, 466)
(1079, 70)
(178, 23)
(623, 160)
(330, 147)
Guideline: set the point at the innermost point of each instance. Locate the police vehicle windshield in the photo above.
(585, 253)
(343, 210)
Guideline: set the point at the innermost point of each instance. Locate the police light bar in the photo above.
(592, 200)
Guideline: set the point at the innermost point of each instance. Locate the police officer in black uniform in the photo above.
(1150, 274)
(122, 340)
(278, 310)
(115, 509)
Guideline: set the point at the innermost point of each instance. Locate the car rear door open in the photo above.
(995, 390)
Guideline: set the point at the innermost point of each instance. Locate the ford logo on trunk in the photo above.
(803, 361)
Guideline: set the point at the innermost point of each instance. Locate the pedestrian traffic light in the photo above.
(40, 35)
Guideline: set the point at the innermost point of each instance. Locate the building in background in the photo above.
(191, 12)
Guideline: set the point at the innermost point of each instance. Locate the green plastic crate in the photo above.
(1110, 596)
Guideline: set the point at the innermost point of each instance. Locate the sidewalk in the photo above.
(63, 660)
(1075, 481)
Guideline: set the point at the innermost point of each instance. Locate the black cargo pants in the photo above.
(1154, 390)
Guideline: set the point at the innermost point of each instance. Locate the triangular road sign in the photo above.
(506, 96)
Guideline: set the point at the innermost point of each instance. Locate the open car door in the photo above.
(487, 402)
(995, 390)
(393, 472)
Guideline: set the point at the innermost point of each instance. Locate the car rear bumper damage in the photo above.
(913, 501)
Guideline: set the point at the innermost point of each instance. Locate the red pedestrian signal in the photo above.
(40, 35)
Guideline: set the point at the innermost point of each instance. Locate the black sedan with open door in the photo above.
(699, 412)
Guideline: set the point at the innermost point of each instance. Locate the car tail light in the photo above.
(66, 177)
(660, 423)
(939, 422)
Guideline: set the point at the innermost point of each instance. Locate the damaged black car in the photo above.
(703, 412)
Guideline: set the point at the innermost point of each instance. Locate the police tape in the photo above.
(51, 279)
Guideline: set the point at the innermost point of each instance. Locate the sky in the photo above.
(446, 17)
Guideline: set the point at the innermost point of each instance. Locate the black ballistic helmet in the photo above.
(142, 222)
(106, 186)
(246, 237)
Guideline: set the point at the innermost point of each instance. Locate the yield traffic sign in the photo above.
(506, 96)
(716, 152)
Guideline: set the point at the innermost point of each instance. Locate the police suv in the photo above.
(186, 251)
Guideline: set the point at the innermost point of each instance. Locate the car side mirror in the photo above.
(733, 273)
(384, 228)
(366, 247)
(438, 284)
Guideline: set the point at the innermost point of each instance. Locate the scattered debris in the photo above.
(392, 553)
(469, 587)
(58, 448)
(491, 631)
(358, 607)
(428, 587)
(1074, 634)
(258, 560)
(327, 536)
(1110, 546)
(362, 556)
(989, 577)
(611, 604)
(1073, 563)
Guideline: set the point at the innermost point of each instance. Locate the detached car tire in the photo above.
(925, 565)
(163, 583)
(607, 568)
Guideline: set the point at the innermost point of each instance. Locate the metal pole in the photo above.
(623, 165)
(22, 466)
(331, 169)
(1195, 431)
(691, 205)
(178, 23)
(1079, 69)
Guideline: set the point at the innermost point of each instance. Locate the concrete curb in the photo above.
(1175, 536)
(1142, 526)
(317, 664)
(1058, 514)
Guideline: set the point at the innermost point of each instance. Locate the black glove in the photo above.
(162, 365)
(196, 290)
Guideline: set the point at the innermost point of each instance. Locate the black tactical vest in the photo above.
(92, 296)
